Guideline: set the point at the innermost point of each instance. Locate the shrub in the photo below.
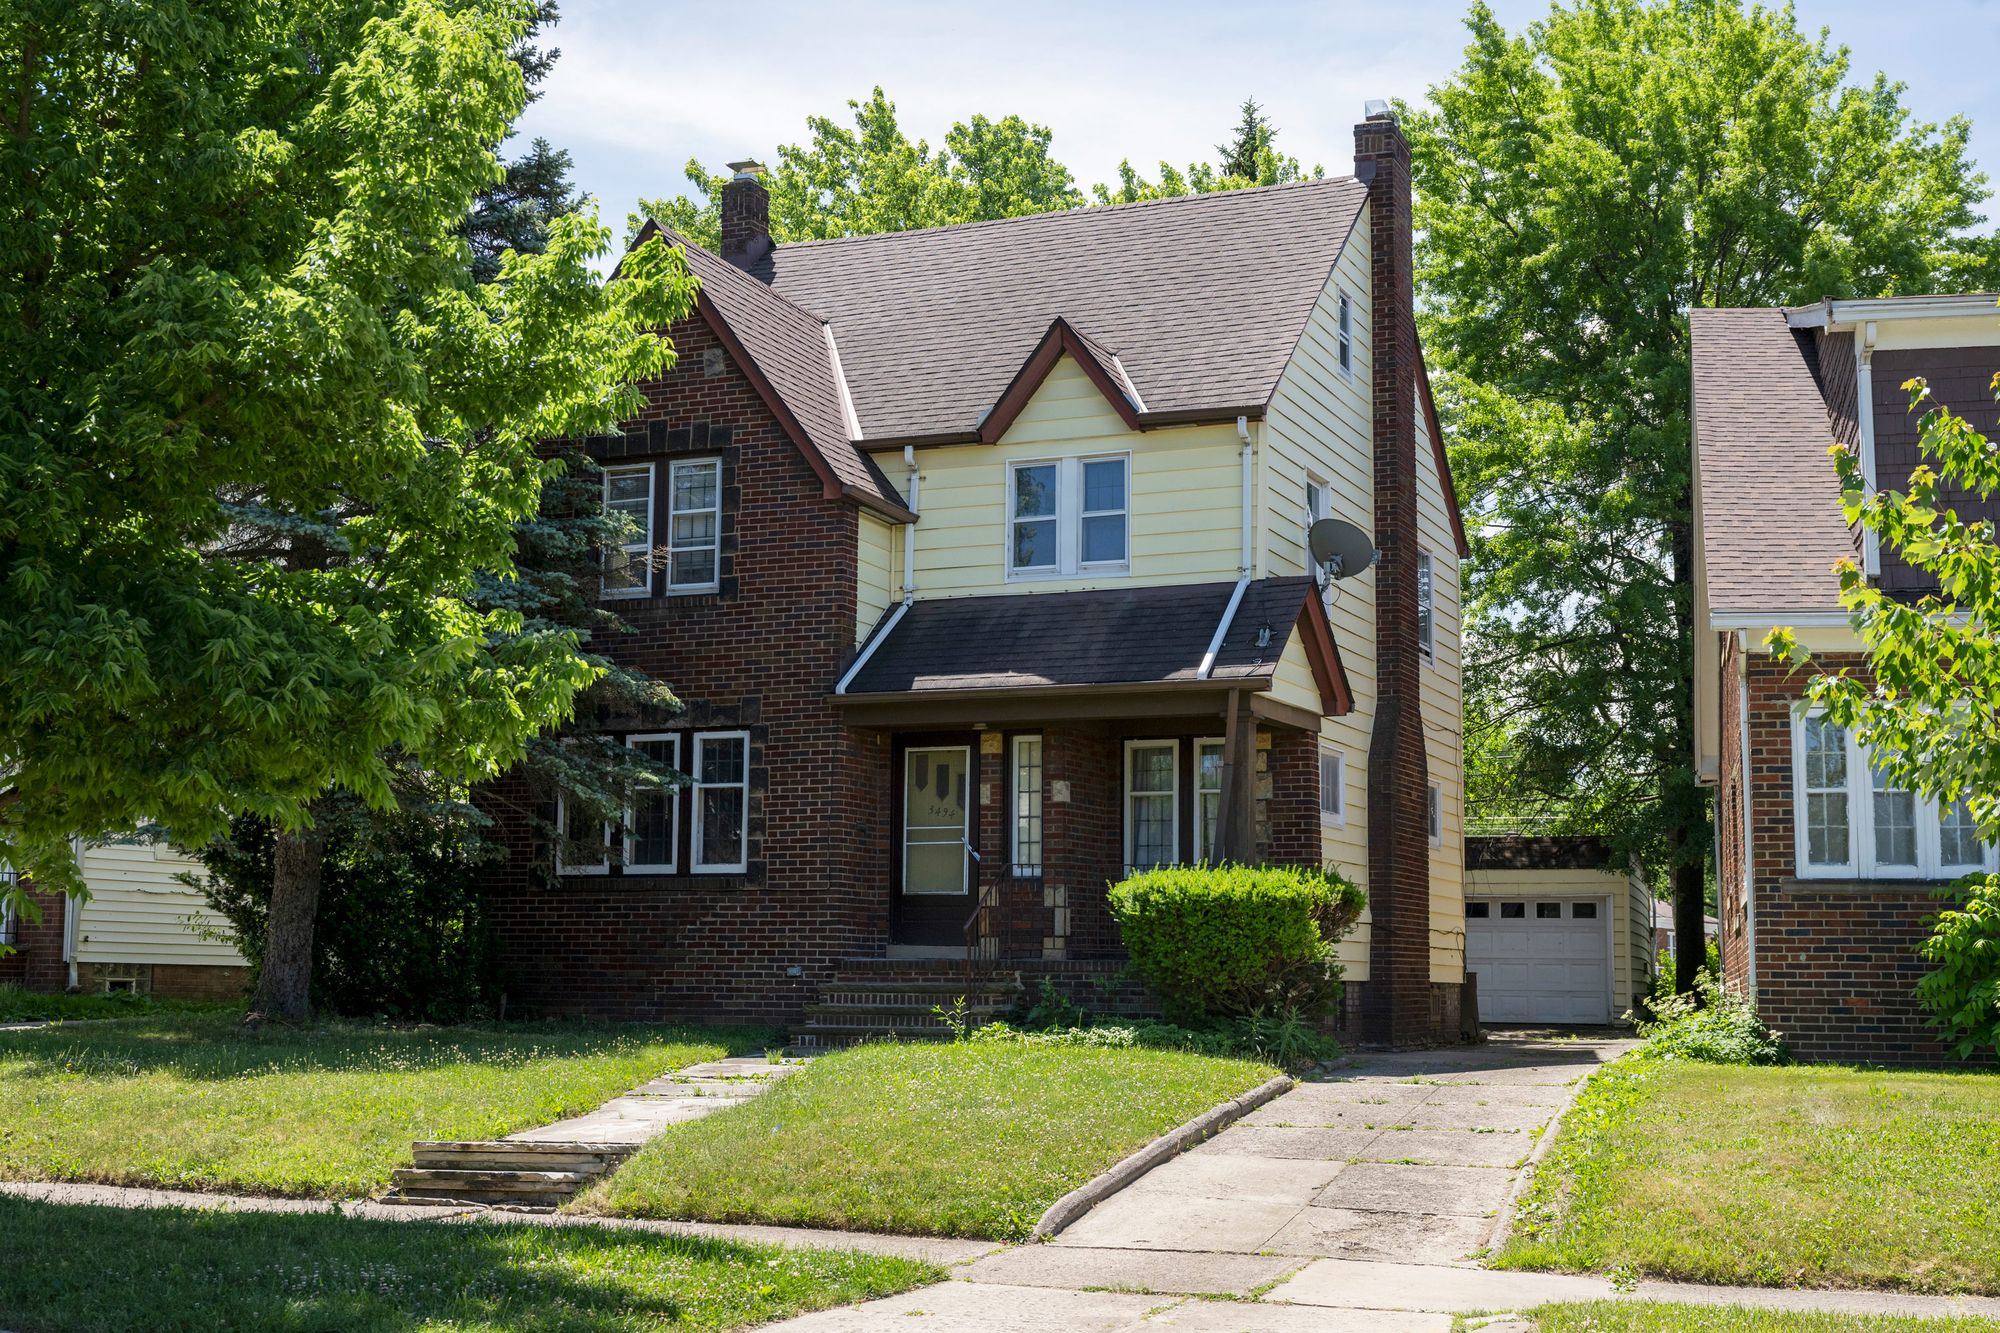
(1231, 941)
(1715, 1025)
(399, 932)
(1962, 993)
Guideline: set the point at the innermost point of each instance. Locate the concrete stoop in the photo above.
(897, 999)
(543, 1168)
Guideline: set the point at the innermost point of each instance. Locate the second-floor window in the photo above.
(1068, 516)
(694, 530)
(1426, 609)
(1346, 348)
(1851, 818)
(628, 566)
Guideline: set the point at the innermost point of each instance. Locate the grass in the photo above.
(955, 1140)
(19, 1006)
(108, 1269)
(1795, 1176)
(194, 1101)
(1651, 1317)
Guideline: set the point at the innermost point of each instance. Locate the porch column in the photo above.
(1235, 836)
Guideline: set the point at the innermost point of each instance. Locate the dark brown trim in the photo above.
(1181, 416)
(1015, 397)
(1267, 709)
(901, 712)
(1442, 455)
(1336, 697)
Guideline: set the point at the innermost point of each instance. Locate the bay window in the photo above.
(1068, 516)
(1851, 819)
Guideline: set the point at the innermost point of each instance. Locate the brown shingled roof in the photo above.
(1771, 520)
(1155, 635)
(1201, 299)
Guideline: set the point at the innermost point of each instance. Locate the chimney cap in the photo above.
(1377, 109)
(748, 169)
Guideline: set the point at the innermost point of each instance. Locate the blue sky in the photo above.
(641, 87)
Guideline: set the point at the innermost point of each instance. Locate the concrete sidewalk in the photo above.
(672, 1099)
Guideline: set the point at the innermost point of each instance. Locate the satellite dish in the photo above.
(1340, 548)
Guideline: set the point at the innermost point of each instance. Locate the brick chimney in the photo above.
(1397, 1004)
(746, 215)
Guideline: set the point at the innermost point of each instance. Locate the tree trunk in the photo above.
(1689, 838)
(284, 976)
(1690, 932)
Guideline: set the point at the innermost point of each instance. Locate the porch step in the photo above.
(530, 1173)
(895, 999)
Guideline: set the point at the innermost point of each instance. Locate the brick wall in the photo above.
(762, 654)
(36, 963)
(1835, 960)
(1083, 832)
(1288, 797)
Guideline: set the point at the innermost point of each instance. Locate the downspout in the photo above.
(1749, 863)
(1243, 570)
(909, 579)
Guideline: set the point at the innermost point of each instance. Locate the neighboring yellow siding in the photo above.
(1631, 915)
(1443, 710)
(879, 575)
(138, 912)
(1184, 503)
(1321, 422)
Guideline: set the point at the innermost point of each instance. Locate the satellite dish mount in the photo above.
(1340, 548)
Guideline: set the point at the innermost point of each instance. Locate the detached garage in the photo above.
(1551, 933)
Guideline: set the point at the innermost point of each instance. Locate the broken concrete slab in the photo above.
(1173, 1272)
(1219, 1176)
(1406, 1238)
(1236, 1226)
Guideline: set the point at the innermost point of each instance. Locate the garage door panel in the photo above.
(1540, 969)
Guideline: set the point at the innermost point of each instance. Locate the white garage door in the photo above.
(1539, 960)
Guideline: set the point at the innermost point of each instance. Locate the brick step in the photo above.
(880, 997)
(885, 1017)
(528, 1187)
(594, 1159)
(826, 1036)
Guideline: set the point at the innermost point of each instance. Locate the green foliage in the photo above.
(400, 931)
(1714, 1025)
(1962, 992)
(872, 178)
(1286, 1039)
(1667, 968)
(19, 1006)
(1232, 940)
(263, 435)
(1580, 186)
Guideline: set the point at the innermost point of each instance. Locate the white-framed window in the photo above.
(721, 807)
(1345, 336)
(1027, 837)
(1207, 797)
(8, 925)
(572, 836)
(1434, 812)
(1332, 785)
(694, 525)
(1069, 516)
(652, 819)
(1426, 609)
(1152, 803)
(628, 567)
(1319, 505)
(1850, 819)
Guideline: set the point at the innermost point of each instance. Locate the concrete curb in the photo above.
(1173, 1143)
(1503, 1225)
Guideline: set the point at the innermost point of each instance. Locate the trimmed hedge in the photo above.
(1229, 940)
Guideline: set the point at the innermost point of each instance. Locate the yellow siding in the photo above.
(1631, 915)
(138, 912)
(1443, 709)
(1321, 421)
(879, 575)
(1185, 496)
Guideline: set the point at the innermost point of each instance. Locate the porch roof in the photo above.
(1123, 639)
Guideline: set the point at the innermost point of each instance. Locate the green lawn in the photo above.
(107, 1269)
(19, 1006)
(954, 1140)
(1802, 1176)
(1649, 1317)
(195, 1101)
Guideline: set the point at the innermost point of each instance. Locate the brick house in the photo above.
(978, 557)
(1826, 874)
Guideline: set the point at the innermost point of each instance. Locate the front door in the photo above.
(936, 883)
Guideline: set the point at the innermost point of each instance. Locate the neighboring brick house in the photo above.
(980, 565)
(1826, 873)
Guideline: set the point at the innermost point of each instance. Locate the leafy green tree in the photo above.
(1580, 186)
(1253, 135)
(872, 178)
(260, 432)
(1249, 158)
(515, 212)
(1930, 714)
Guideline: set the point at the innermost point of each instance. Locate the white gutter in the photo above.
(909, 579)
(1864, 414)
(1243, 571)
